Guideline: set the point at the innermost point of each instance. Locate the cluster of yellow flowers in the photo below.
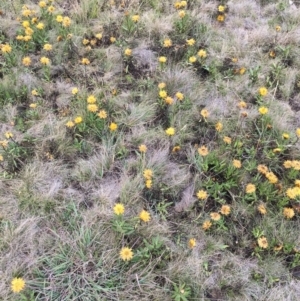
(148, 174)
(168, 99)
(295, 164)
(126, 253)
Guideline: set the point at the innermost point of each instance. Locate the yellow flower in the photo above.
(237, 163)
(1, 158)
(66, 22)
(271, 177)
(34, 92)
(112, 39)
(91, 99)
(98, 36)
(242, 105)
(177, 5)
(145, 216)
(215, 216)
(204, 113)
(29, 31)
(8, 135)
(167, 43)
(59, 19)
(135, 18)
(85, 41)
(19, 38)
(85, 61)
(262, 169)
(221, 8)
(128, 52)
(183, 3)
(202, 53)
(42, 4)
(113, 127)
(162, 59)
(288, 212)
(169, 100)
(51, 9)
(225, 210)
(202, 195)
(272, 53)
(148, 184)
(285, 136)
(179, 96)
(263, 110)
(227, 140)
(192, 243)
(262, 242)
(74, 91)
(102, 114)
(221, 18)
(26, 61)
(143, 148)
(26, 24)
(163, 94)
(277, 28)
(192, 59)
(297, 183)
(190, 42)
(298, 132)
(44, 60)
(4, 143)
(234, 59)
(70, 124)
(242, 70)
(277, 150)
(263, 91)
(203, 151)
(291, 193)
(278, 248)
(6, 48)
(93, 42)
(32, 105)
(161, 86)
(148, 174)
(17, 285)
(170, 131)
(126, 254)
(40, 26)
(250, 188)
(78, 119)
(219, 127)
(47, 47)
(92, 107)
(26, 13)
(27, 38)
(206, 225)
(262, 209)
(181, 14)
(119, 209)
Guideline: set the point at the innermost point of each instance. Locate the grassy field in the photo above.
(149, 150)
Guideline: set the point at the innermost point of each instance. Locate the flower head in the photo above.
(70, 124)
(128, 52)
(91, 99)
(225, 210)
(59, 19)
(170, 131)
(179, 96)
(26, 61)
(161, 85)
(192, 243)
(237, 163)
(40, 26)
(42, 4)
(221, 8)
(169, 100)
(221, 18)
(250, 188)
(190, 42)
(227, 140)
(102, 114)
(262, 209)
(92, 108)
(8, 135)
(148, 184)
(192, 59)
(85, 61)
(66, 22)
(206, 225)
(17, 285)
(203, 151)
(148, 174)
(126, 254)
(74, 91)
(181, 14)
(288, 212)
(215, 216)
(202, 195)
(204, 113)
(262, 242)
(135, 18)
(219, 127)
(298, 132)
(263, 91)
(78, 119)
(47, 47)
(163, 94)
(263, 169)
(162, 59)
(98, 36)
(167, 43)
(113, 127)
(202, 53)
(6, 48)
(263, 110)
(44, 60)
(145, 216)
(119, 209)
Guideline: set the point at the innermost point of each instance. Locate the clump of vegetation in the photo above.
(149, 149)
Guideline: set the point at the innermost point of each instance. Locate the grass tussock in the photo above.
(149, 150)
